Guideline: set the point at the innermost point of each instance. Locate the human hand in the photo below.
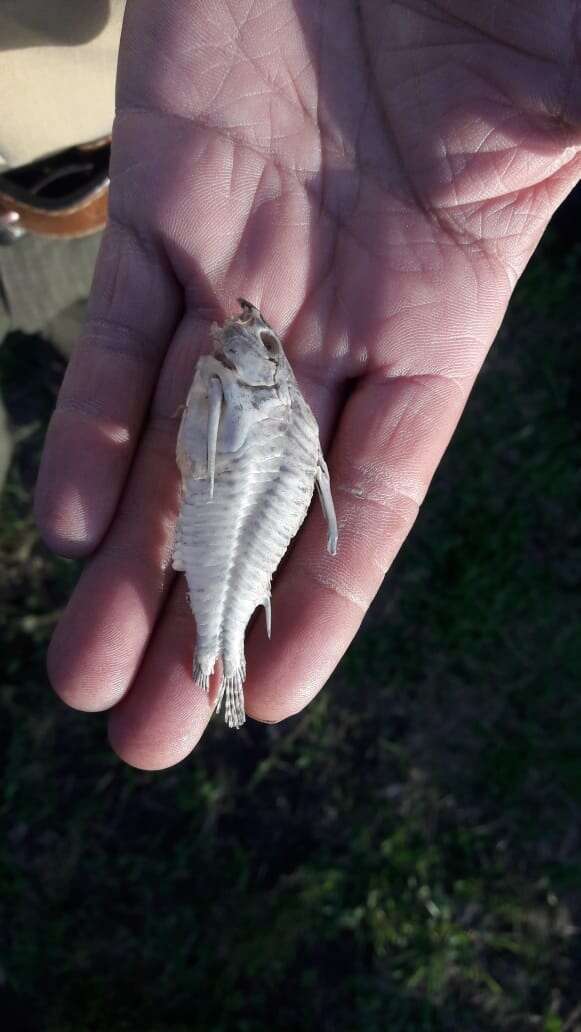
(374, 176)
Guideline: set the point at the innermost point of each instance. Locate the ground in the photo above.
(406, 854)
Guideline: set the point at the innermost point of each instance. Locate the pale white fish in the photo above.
(249, 456)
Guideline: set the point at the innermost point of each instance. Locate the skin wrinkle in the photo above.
(130, 518)
(381, 503)
(154, 258)
(510, 156)
(78, 391)
(122, 341)
(503, 99)
(499, 96)
(253, 60)
(331, 585)
(444, 45)
(463, 384)
(452, 17)
(92, 411)
(477, 241)
(438, 209)
(514, 154)
(293, 77)
(73, 504)
(316, 121)
(545, 120)
(431, 212)
(159, 565)
(238, 246)
(318, 373)
(344, 226)
(308, 173)
(230, 175)
(116, 177)
(135, 243)
(225, 134)
(488, 135)
(106, 260)
(336, 580)
(351, 470)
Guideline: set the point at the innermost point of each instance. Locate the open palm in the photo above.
(374, 176)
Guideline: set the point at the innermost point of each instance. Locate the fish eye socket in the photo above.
(269, 341)
(247, 312)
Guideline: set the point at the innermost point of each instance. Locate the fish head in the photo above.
(248, 345)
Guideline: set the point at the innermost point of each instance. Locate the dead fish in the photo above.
(249, 456)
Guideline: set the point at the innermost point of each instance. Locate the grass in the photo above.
(406, 854)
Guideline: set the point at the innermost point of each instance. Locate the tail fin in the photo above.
(202, 673)
(231, 690)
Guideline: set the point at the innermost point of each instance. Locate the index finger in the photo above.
(133, 310)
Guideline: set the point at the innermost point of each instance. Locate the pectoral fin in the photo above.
(214, 410)
(323, 483)
(268, 615)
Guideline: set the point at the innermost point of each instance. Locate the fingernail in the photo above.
(260, 720)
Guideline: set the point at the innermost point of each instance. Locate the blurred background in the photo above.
(405, 854)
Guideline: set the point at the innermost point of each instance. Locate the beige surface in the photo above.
(57, 74)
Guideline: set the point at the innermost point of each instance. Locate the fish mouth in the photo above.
(248, 310)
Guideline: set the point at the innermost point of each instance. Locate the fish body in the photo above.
(249, 455)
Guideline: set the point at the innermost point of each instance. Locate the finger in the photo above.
(390, 438)
(107, 388)
(102, 636)
(165, 714)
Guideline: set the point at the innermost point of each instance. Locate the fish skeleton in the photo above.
(249, 455)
